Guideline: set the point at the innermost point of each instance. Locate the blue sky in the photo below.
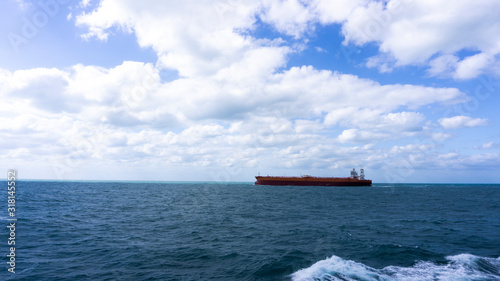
(223, 90)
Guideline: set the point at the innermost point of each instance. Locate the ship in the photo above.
(353, 180)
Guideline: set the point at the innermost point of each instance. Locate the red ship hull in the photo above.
(311, 181)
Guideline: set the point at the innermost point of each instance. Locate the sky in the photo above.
(224, 90)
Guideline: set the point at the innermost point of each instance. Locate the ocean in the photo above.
(239, 231)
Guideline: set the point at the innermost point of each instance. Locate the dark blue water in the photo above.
(187, 231)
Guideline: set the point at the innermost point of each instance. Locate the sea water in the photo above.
(211, 231)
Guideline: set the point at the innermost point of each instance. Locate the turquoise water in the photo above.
(208, 231)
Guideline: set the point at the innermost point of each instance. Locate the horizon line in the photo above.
(219, 182)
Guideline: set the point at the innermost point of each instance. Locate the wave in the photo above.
(459, 267)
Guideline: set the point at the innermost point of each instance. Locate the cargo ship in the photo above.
(353, 180)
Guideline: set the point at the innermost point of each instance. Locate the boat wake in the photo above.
(459, 267)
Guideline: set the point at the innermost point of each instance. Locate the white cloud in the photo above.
(412, 149)
(290, 17)
(84, 3)
(127, 114)
(440, 136)
(320, 50)
(413, 32)
(473, 66)
(335, 11)
(383, 62)
(374, 128)
(461, 121)
(209, 43)
(457, 160)
(487, 145)
(393, 124)
(43, 88)
(355, 135)
(23, 4)
(443, 65)
(407, 32)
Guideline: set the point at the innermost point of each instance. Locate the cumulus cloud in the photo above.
(407, 32)
(212, 40)
(44, 88)
(412, 32)
(473, 66)
(443, 65)
(235, 102)
(461, 121)
(128, 114)
(290, 17)
(299, 93)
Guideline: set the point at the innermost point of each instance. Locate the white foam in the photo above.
(459, 267)
(336, 268)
